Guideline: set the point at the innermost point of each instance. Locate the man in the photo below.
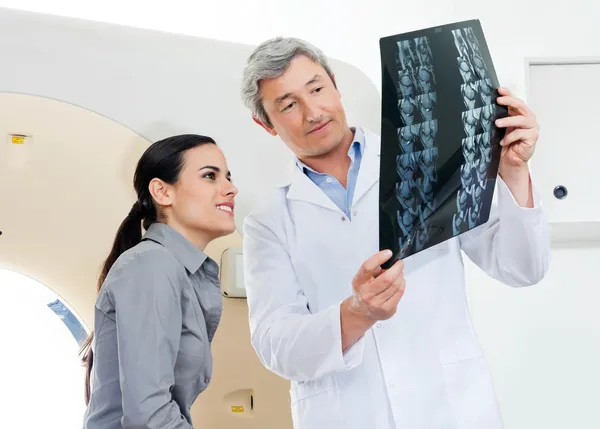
(362, 351)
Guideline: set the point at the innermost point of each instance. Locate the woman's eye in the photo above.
(209, 176)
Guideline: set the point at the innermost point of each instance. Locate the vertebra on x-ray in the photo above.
(426, 160)
(425, 79)
(485, 140)
(407, 166)
(407, 194)
(483, 162)
(467, 175)
(469, 148)
(425, 188)
(464, 198)
(473, 215)
(485, 92)
(472, 40)
(479, 66)
(428, 133)
(410, 112)
(406, 219)
(426, 209)
(466, 70)
(427, 103)
(487, 117)
(461, 46)
(478, 189)
(457, 222)
(423, 50)
(471, 122)
(470, 93)
(407, 84)
(407, 56)
(408, 137)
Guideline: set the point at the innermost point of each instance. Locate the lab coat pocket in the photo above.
(469, 386)
(315, 404)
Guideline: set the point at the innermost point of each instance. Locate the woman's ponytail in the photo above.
(128, 235)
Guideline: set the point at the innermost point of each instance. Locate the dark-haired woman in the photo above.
(159, 300)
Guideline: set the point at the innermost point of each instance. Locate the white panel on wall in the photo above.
(564, 95)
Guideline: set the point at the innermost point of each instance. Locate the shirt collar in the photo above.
(184, 251)
(357, 142)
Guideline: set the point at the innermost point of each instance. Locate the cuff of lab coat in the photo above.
(509, 205)
(353, 356)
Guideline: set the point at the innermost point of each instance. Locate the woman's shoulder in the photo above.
(146, 263)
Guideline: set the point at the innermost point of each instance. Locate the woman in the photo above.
(159, 300)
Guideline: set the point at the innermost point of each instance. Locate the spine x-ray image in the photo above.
(477, 118)
(416, 159)
(440, 146)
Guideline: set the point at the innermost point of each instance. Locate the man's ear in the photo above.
(161, 192)
(269, 129)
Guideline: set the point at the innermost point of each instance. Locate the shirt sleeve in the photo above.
(288, 339)
(514, 245)
(146, 295)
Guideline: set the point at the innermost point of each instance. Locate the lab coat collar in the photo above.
(301, 188)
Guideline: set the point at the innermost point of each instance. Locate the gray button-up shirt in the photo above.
(155, 318)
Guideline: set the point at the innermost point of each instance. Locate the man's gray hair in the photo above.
(270, 60)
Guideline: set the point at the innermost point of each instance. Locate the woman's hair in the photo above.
(163, 160)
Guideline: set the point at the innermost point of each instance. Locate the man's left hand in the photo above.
(522, 131)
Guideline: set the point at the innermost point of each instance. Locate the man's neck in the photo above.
(336, 163)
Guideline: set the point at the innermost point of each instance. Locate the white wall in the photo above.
(515, 29)
(542, 342)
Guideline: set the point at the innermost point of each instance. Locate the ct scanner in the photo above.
(81, 126)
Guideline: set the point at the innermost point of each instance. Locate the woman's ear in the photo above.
(161, 192)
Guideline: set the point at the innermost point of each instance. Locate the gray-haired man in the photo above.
(360, 351)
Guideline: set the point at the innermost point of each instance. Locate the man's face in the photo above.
(305, 109)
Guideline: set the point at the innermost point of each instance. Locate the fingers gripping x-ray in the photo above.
(416, 165)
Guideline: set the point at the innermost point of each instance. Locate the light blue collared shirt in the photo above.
(341, 196)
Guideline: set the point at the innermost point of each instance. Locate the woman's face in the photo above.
(202, 200)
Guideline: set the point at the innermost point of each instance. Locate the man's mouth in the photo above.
(319, 128)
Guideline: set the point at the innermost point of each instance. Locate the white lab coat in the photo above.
(424, 367)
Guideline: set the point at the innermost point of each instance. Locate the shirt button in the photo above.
(329, 180)
(354, 212)
(392, 386)
(343, 219)
(379, 325)
(207, 380)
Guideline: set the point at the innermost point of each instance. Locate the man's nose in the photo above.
(313, 112)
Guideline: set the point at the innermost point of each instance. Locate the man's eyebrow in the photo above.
(314, 79)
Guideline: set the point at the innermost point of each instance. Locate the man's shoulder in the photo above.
(270, 207)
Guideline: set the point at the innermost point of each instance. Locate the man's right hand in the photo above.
(377, 292)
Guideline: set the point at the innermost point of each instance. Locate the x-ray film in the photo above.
(439, 143)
